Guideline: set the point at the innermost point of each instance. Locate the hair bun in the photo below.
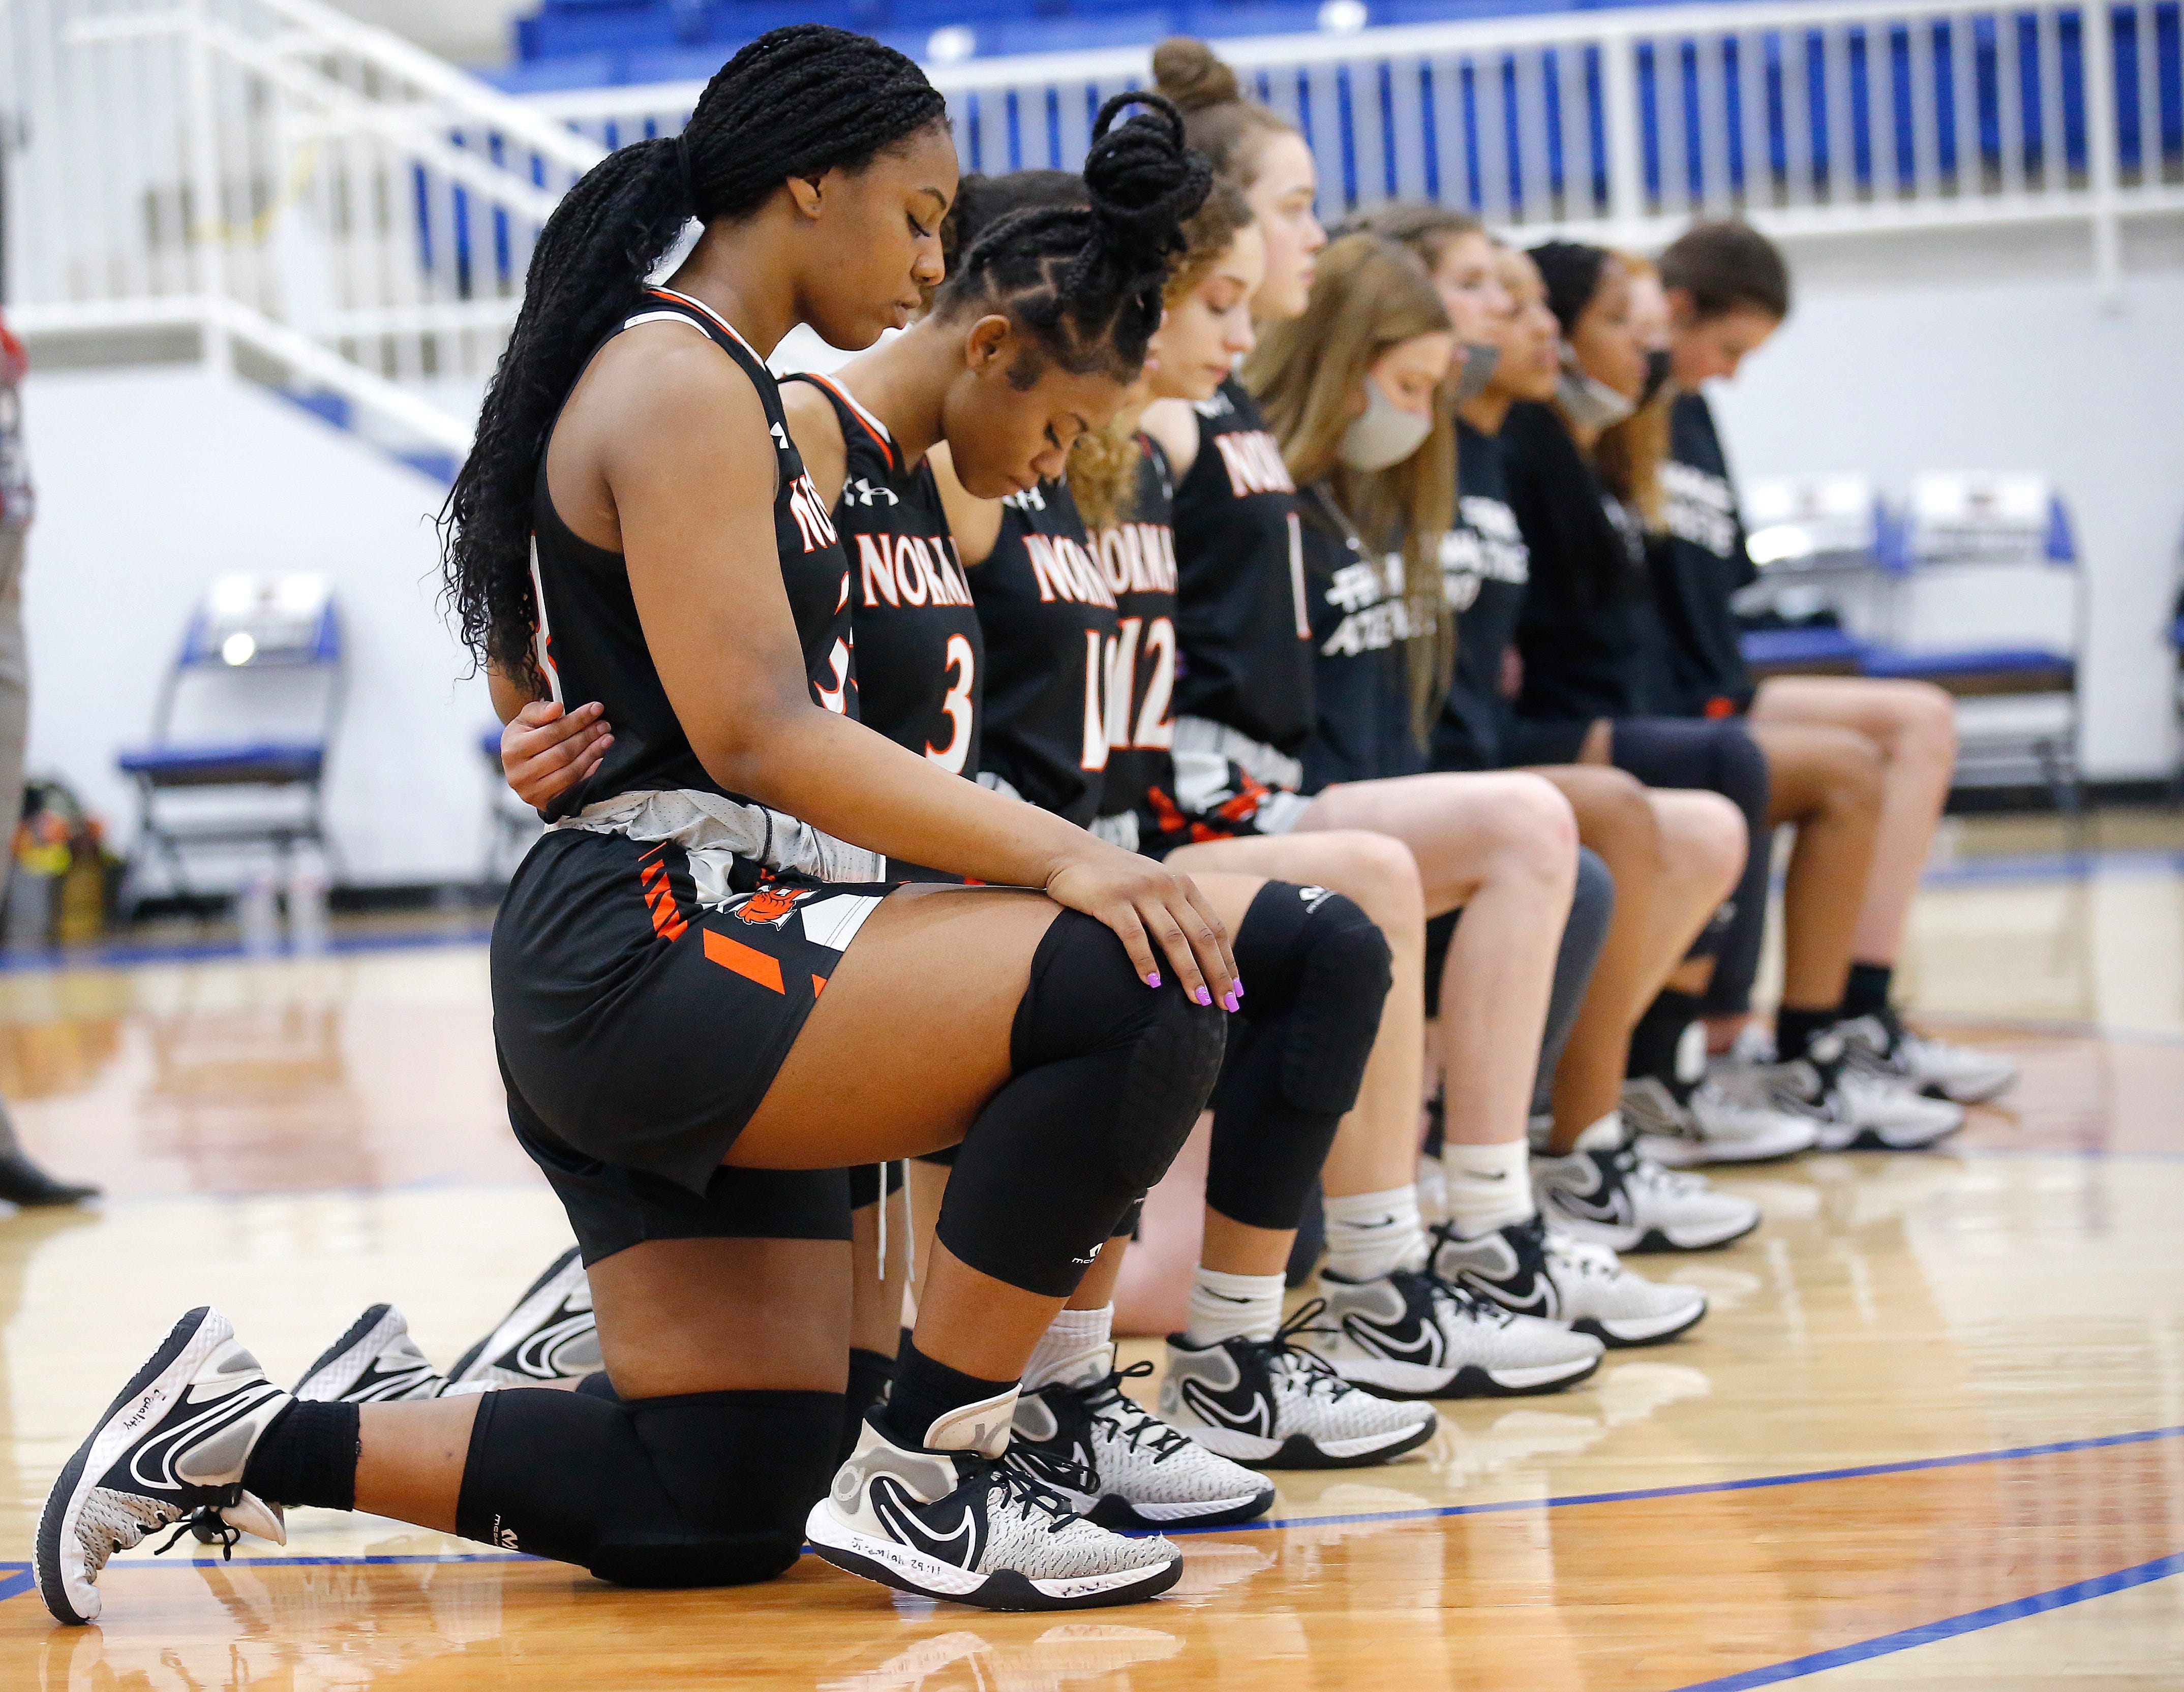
(1185, 69)
(1142, 180)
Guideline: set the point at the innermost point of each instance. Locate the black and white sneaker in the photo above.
(1851, 1108)
(1412, 1334)
(1604, 1193)
(1273, 1405)
(175, 1443)
(962, 1524)
(1528, 1268)
(1881, 1045)
(551, 1335)
(1141, 1473)
(375, 1362)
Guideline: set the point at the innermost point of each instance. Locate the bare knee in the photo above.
(1378, 872)
(1927, 723)
(1706, 839)
(1856, 775)
(1535, 830)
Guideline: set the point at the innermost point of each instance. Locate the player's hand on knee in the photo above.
(545, 750)
(1164, 922)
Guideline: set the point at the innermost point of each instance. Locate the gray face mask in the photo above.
(1479, 358)
(1384, 435)
(1588, 402)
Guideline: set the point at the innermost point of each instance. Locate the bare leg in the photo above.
(1914, 725)
(1615, 819)
(1504, 848)
(1827, 782)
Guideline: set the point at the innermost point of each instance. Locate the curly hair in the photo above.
(798, 101)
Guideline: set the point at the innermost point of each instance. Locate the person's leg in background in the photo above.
(21, 1181)
(1912, 725)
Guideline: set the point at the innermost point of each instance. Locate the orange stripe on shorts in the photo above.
(747, 962)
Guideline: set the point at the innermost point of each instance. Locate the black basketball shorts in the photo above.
(636, 1033)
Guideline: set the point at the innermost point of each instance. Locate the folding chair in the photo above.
(249, 712)
(2001, 526)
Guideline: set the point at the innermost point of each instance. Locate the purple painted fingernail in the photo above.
(1153, 980)
(1204, 996)
(1234, 1002)
(1239, 986)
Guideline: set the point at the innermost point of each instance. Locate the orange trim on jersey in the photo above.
(699, 305)
(818, 985)
(660, 899)
(747, 962)
(854, 410)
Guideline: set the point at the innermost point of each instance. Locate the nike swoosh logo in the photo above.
(1539, 1302)
(1483, 1175)
(895, 1504)
(1259, 1419)
(153, 1464)
(1225, 1297)
(1374, 1338)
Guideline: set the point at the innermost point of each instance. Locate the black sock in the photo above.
(1794, 1030)
(307, 1455)
(1868, 992)
(870, 1374)
(1659, 1031)
(925, 1391)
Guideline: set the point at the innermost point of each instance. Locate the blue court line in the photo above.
(14, 1585)
(1697, 1487)
(17, 1580)
(1927, 1633)
(126, 956)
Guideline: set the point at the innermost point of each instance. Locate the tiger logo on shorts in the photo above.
(770, 904)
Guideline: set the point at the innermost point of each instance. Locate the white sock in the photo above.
(1074, 1345)
(1371, 1234)
(1233, 1306)
(1488, 1186)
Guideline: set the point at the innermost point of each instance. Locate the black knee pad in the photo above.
(700, 1490)
(1110, 1076)
(1740, 772)
(1327, 965)
(1085, 1000)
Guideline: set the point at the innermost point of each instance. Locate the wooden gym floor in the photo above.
(1932, 1433)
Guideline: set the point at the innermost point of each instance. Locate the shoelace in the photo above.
(1015, 1482)
(1635, 1170)
(211, 1528)
(1138, 1427)
(1313, 1372)
(1441, 1290)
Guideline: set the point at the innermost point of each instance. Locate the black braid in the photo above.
(797, 102)
(1083, 281)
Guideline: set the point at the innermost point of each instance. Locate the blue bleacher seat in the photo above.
(1803, 651)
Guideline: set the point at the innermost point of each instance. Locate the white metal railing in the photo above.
(286, 181)
(316, 191)
(1809, 117)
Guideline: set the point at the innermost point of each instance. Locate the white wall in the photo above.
(1996, 352)
(151, 480)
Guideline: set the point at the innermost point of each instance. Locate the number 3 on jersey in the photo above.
(963, 663)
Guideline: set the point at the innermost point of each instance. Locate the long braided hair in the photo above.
(1083, 281)
(797, 102)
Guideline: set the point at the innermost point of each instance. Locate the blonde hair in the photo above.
(1629, 454)
(1370, 294)
(1103, 462)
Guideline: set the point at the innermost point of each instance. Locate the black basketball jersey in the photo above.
(1587, 631)
(1137, 557)
(918, 648)
(1048, 617)
(591, 646)
(1361, 628)
(1484, 567)
(1698, 565)
(1243, 632)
